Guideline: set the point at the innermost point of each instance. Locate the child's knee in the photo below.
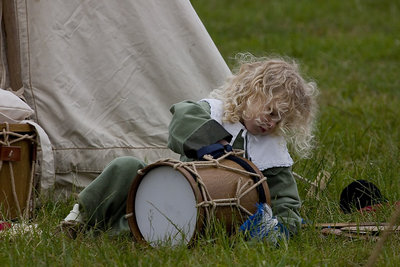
(126, 164)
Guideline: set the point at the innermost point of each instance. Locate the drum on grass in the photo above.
(172, 201)
(17, 162)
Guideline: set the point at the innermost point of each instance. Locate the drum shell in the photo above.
(221, 183)
(23, 171)
(228, 181)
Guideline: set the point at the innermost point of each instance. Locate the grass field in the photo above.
(352, 50)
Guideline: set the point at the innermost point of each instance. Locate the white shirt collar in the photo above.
(264, 151)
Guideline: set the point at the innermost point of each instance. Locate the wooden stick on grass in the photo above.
(378, 247)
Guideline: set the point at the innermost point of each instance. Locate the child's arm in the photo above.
(285, 200)
(192, 128)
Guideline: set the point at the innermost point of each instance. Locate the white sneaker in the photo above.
(74, 215)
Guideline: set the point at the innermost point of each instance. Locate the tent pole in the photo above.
(12, 43)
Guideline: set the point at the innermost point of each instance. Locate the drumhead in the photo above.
(165, 207)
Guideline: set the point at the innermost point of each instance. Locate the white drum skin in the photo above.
(165, 207)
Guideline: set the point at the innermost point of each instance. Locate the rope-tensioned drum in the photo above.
(208, 203)
(7, 139)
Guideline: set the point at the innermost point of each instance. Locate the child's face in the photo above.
(261, 123)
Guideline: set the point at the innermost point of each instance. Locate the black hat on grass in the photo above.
(360, 194)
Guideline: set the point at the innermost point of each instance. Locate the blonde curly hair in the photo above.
(272, 85)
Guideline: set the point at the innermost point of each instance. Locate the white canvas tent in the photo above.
(101, 76)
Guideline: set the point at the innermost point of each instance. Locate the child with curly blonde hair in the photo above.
(275, 90)
(266, 105)
(260, 109)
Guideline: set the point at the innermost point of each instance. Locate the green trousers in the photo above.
(104, 200)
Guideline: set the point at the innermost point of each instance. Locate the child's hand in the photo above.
(215, 150)
(223, 142)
